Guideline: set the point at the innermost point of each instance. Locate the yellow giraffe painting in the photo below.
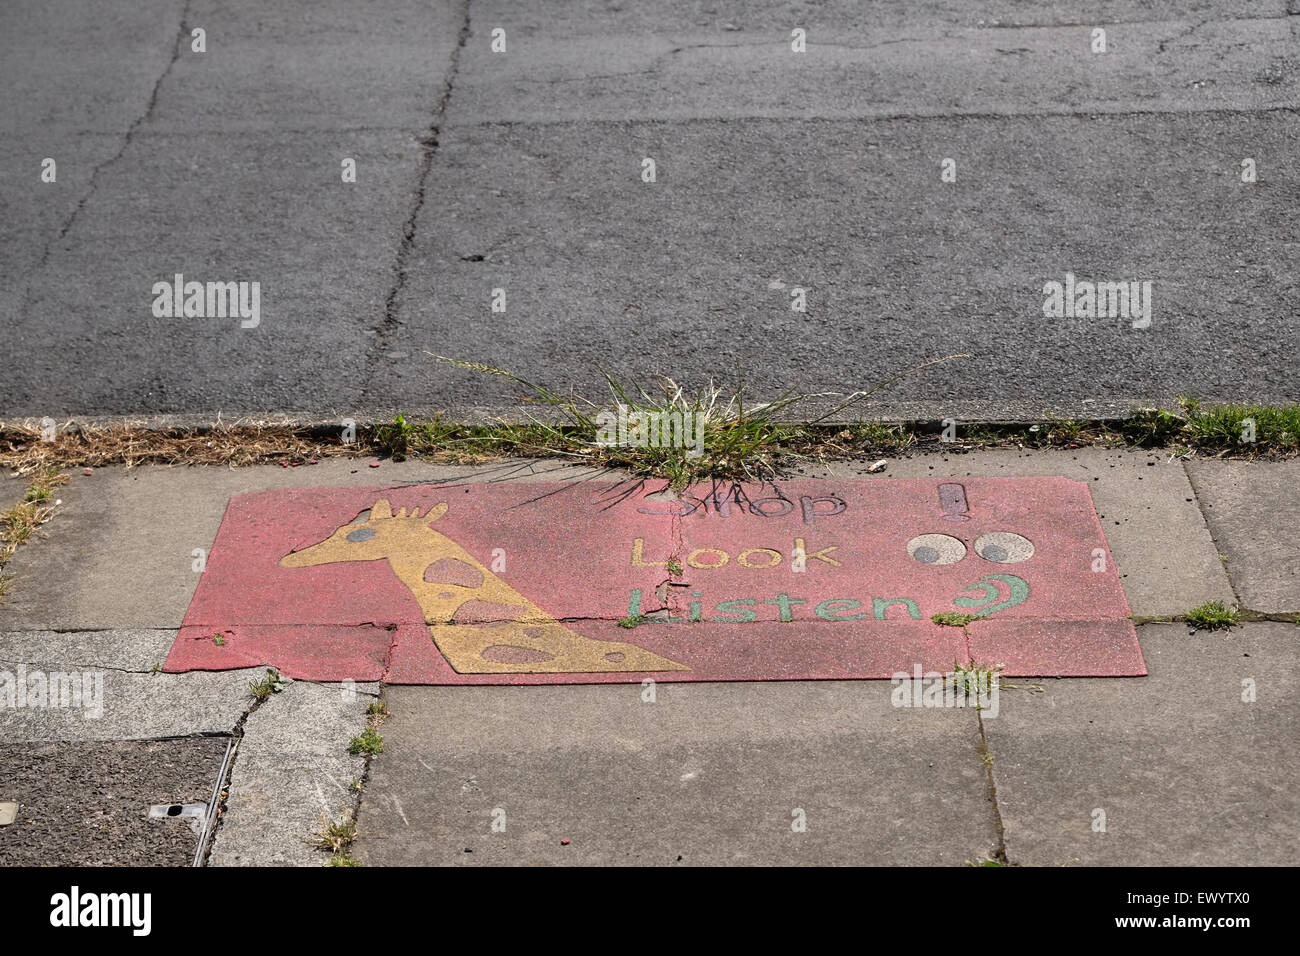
(502, 632)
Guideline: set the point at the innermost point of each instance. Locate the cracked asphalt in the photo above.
(521, 171)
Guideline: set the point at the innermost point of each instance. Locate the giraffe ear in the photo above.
(382, 509)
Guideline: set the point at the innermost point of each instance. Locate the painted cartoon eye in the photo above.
(361, 534)
(936, 549)
(1003, 547)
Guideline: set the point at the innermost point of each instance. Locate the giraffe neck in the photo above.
(439, 600)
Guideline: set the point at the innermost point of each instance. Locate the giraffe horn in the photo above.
(382, 509)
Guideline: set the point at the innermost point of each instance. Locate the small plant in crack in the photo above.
(272, 683)
(1213, 616)
(635, 620)
(675, 568)
(337, 837)
(973, 681)
(955, 619)
(368, 744)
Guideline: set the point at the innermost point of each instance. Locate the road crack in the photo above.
(429, 148)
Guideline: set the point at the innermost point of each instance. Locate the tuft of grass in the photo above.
(1150, 427)
(740, 440)
(369, 743)
(1213, 616)
(272, 683)
(394, 439)
(19, 523)
(335, 835)
(377, 712)
(955, 619)
(1274, 428)
(974, 680)
(41, 488)
(341, 859)
(635, 620)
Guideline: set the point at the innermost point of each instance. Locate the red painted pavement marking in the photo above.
(879, 557)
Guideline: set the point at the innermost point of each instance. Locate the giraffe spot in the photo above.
(615, 657)
(509, 654)
(534, 632)
(453, 571)
(485, 612)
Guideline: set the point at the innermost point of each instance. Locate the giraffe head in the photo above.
(369, 537)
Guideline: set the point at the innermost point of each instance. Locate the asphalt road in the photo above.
(522, 171)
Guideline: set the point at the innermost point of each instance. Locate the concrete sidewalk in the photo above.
(1189, 765)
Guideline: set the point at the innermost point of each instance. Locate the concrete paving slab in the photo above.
(68, 703)
(707, 774)
(86, 804)
(323, 582)
(1183, 767)
(154, 517)
(1247, 505)
(1167, 560)
(291, 767)
(123, 650)
(59, 559)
